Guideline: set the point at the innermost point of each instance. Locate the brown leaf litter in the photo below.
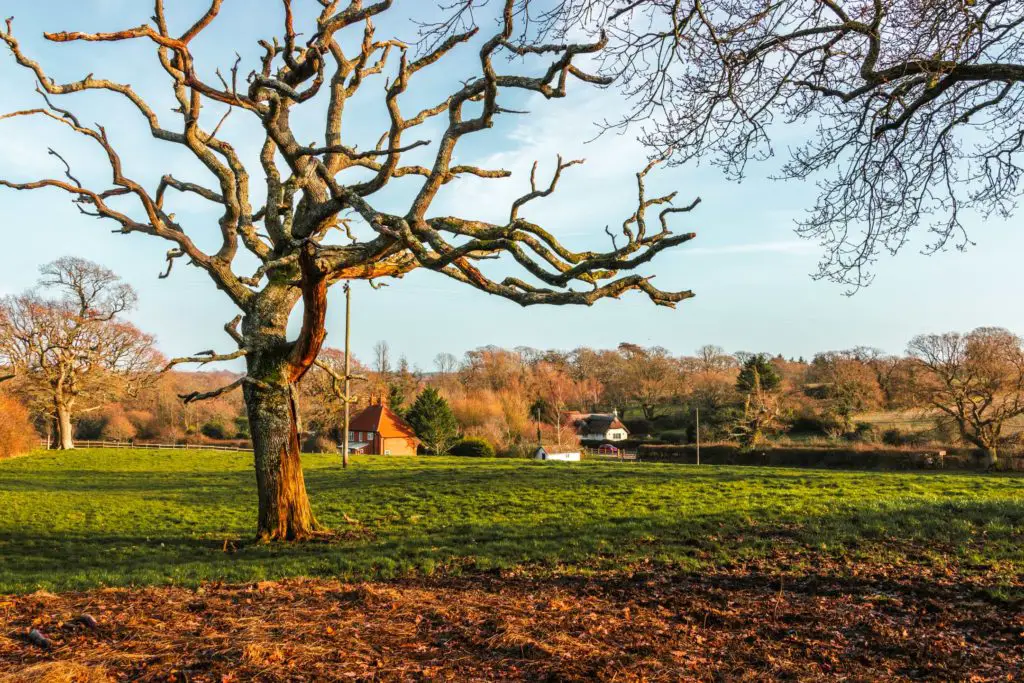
(746, 623)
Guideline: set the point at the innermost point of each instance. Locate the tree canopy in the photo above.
(906, 113)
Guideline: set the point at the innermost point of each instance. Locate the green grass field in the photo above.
(117, 517)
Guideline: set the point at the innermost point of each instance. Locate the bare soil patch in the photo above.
(744, 623)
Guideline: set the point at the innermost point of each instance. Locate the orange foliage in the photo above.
(16, 433)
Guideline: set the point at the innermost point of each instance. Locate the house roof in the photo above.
(602, 423)
(575, 416)
(381, 419)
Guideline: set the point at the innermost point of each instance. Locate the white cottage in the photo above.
(599, 427)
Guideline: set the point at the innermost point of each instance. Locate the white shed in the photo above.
(555, 453)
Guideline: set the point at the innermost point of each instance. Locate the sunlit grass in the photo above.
(116, 517)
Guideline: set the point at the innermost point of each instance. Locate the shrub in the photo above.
(811, 422)
(897, 437)
(145, 423)
(90, 427)
(318, 443)
(214, 429)
(892, 437)
(117, 426)
(16, 433)
(864, 432)
(242, 427)
(675, 436)
(473, 448)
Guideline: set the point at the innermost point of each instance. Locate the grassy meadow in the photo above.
(117, 517)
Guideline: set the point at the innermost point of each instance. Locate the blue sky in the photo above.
(750, 272)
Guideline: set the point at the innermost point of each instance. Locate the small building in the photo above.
(378, 430)
(600, 427)
(562, 453)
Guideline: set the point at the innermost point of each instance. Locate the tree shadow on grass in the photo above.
(956, 531)
(228, 484)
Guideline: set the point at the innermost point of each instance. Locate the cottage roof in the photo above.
(599, 422)
(381, 419)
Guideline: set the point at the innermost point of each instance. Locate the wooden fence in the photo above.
(154, 446)
(593, 454)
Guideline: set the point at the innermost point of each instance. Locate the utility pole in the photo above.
(347, 398)
(348, 323)
(698, 434)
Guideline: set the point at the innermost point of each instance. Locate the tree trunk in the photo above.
(274, 368)
(991, 456)
(284, 509)
(65, 432)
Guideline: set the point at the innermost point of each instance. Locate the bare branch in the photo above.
(204, 357)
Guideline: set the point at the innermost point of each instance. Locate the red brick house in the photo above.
(378, 430)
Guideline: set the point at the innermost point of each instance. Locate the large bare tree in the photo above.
(73, 354)
(975, 380)
(910, 111)
(314, 188)
(649, 378)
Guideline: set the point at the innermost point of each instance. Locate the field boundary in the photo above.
(153, 446)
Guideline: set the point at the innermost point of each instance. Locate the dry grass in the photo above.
(919, 420)
(58, 672)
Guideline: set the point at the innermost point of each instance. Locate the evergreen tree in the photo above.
(396, 398)
(433, 420)
(758, 372)
(758, 381)
(401, 386)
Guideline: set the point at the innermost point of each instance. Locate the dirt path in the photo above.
(741, 624)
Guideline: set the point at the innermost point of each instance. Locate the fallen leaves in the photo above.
(880, 623)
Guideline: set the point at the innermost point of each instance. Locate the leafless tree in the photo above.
(72, 354)
(558, 390)
(382, 360)
(711, 359)
(975, 379)
(649, 378)
(446, 364)
(847, 383)
(914, 107)
(889, 371)
(313, 189)
(323, 391)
